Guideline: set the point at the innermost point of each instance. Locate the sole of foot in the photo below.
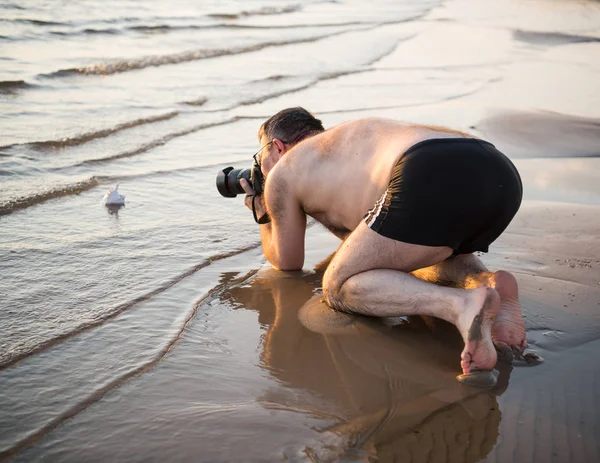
(508, 331)
(475, 325)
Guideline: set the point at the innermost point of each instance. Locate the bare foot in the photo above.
(475, 326)
(508, 331)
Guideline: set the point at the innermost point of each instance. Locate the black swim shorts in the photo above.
(455, 192)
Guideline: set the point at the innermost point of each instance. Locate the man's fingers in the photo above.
(249, 193)
(246, 187)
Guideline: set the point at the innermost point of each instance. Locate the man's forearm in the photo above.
(282, 239)
(265, 239)
(273, 254)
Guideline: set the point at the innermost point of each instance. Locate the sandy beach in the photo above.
(158, 331)
(328, 386)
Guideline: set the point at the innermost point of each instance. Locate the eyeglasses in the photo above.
(256, 160)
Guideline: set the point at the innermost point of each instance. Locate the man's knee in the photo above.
(340, 294)
(331, 287)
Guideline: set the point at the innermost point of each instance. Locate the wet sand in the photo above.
(326, 386)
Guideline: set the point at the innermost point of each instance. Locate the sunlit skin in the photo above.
(335, 177)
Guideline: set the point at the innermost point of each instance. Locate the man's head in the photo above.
(284, 130)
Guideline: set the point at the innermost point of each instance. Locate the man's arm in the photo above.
(282, 238)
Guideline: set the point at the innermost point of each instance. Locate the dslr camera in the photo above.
(228, 184)
(228, 180)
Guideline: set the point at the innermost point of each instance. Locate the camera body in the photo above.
(228, 180)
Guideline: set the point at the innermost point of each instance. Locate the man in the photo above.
(412, 203)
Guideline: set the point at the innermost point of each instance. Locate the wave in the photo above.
(11, 6)
(157, 142)
(176, 58)
(12, 86)
(38, 22)
(196, 102)
(274, 78)
(118, 310)
(162, 28)
(158, 173)
(322, 77)
(86, 137)
(17, 204)
(166, 28)
(96, 395)
(389, 51)
(265, 11)
(261, 99)
(142, 28)
(87, 31)
(551, 38)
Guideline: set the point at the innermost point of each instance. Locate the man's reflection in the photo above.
(389, 391)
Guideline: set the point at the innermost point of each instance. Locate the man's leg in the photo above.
(467, 271)
(370, 275)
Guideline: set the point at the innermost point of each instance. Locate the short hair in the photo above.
(289, 125)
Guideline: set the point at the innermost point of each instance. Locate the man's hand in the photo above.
(251, 196)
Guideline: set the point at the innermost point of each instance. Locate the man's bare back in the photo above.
(359, 180)
(340, 173)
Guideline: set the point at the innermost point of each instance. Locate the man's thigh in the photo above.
(365, 249)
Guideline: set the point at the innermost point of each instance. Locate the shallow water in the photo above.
(159, 97)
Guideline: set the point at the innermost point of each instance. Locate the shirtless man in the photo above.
(412, 204)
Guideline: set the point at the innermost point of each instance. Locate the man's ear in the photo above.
(280, 145)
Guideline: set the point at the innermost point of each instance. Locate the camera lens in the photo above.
(228, 181)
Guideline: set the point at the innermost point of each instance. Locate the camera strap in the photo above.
(265, 217)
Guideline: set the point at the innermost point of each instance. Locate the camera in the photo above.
(228, 180)
(228, 184)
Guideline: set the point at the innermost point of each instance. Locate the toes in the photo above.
(533, 359)
(517, 352)
(479, 378)
(465, 362)
(505, 353)
(529, 360)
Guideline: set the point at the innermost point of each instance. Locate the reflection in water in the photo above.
(113, 209)
(113, 219)
(389, 392)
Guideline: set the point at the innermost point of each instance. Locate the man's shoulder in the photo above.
(281, 176)
(366, 122)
